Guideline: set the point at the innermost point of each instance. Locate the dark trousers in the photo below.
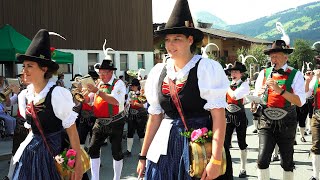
(99, 134)
(315, 130)
(137, 122)
(239, 122)
(282, 133)
(302, 113)
(84, 127)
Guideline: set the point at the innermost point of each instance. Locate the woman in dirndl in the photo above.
(48, 111)
(201, 85)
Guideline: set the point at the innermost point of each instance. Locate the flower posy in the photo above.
(198, 135)
(67, 159)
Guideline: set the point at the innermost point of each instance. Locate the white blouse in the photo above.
(212, 81)
(61, 100)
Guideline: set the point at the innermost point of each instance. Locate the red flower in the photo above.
(70, 153)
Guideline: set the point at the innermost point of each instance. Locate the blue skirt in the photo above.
(36, 162)
(175, 164)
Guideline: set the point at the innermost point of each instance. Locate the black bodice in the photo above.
(49, 122)
(192, 103)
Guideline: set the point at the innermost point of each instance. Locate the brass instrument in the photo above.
(142, 99)
(77, 94)
(5, 93)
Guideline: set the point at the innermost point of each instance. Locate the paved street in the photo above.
(303, 161)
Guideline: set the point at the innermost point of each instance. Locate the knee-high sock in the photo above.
(243, 159)
(315, 165)
(129, 144)
(95, 168)
(117, 168)
(302, 131)
(263, 174)
(11, 169)
(255, 124)
(276, 150)
(287, 175)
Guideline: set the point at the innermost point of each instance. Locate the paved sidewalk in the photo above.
(303, 169)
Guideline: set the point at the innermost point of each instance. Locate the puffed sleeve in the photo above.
(151, 89)
(213, 84)
(119, 91)
(62, 104)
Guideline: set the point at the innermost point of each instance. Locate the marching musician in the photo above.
(108, 107)
(235, 112)
(137, 115)
(281, 87)
(312, 86)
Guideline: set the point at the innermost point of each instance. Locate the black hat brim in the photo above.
(235, 68)
(269, 51)
(196, 33)
(45, 62)
(108, 68)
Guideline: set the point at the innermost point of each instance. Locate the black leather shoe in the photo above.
(303, 139)
(127, 154)
(243, 174)
(275, 158)
(255, 131)
(313, 178)
(5, 178)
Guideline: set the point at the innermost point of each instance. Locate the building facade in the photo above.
(126, 25)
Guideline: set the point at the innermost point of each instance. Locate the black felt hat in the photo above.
(180, 22)
(279, 46)
(236, 66)
(39, 51)
(74, 77)
(106, 64)
(135, 82)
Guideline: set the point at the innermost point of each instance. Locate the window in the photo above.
(65, 68)
(123, 62)
(141, 61)
(92, 60)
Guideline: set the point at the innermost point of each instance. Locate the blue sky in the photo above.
(231, 11)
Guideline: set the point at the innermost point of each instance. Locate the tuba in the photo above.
(5, 93)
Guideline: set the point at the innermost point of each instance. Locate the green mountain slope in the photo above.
(207, 17)
(301, 22)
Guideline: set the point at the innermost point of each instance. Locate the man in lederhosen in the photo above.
(235, 112)
(313, 87)
(108, 108)
(138, 117)
(282, 87)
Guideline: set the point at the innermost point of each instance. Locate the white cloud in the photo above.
(231, 11)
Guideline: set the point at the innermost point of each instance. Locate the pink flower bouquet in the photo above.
(67, 159)
(198, 135)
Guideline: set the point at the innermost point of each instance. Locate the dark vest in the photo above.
(192, 103)
(48, 120)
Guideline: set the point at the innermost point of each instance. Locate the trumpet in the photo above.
(5, 93)
(77, 94)
(142, 98)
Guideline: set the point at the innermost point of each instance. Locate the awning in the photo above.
(12, 42)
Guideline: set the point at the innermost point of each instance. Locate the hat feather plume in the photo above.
(56, 34)
(285, 36)
(204, 50)
(105, 50)
(308, 66)
(302, 68)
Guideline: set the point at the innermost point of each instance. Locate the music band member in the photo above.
(312, 86)
(235, 112)
(282, 89)
(138, 117)
(108, 108)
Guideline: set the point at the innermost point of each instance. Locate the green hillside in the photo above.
(301, 22)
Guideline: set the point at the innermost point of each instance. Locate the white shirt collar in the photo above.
(31, 96)
(172, 74)
(285, 66)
